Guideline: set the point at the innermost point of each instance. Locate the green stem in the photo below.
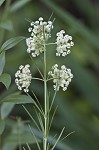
(45, 102)
(37, 79)
(51, 43)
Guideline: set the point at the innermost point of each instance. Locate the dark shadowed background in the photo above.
(78, 107)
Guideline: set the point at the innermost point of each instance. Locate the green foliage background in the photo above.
(78, 107)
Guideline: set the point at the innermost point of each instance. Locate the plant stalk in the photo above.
(45, 102)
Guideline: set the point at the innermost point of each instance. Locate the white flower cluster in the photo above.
(40, 32)
(61, 78)
(64, 43)
(23, 78)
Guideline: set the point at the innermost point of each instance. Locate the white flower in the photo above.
(64, 43)
(23, 78)
(40, 32)
(61, 78)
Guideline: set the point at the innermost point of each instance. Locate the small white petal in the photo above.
(40, 19)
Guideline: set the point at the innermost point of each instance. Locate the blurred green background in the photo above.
(79, 106)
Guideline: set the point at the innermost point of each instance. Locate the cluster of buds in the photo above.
(61, 77)
(64, 43)
(23, 78)
(40, 32)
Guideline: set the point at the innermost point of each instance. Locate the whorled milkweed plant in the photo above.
(40, 32)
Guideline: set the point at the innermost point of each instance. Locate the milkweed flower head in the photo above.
(64, 43)
(23, 78)
(61, 77)
(40, 32)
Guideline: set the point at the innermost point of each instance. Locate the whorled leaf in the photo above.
(5, 79)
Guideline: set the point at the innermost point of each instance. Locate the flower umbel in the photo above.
(64, 43)
(23, 78)
(61, 78)
(40, 32)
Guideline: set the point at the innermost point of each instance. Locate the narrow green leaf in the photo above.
(2, 126)
(52, 102)
(18, 4)
(28, 146)
(37, 106)
(12, 42)
(2, 62)
(49, 144)
(17, 99)
(67, 136)
(52, 117)
(7, 25)
(1, 2)
(6, 108)
(38, 102)
(5, 79)
(32, 118)
(40, 120)
(29, 139)
(58, 139)
(35, 138)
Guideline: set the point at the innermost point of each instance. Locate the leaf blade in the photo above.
(6, 108)
(5, 79)
(17, 99)
(1, 2)
(2, 62)
(19, 4)
(12, 42)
